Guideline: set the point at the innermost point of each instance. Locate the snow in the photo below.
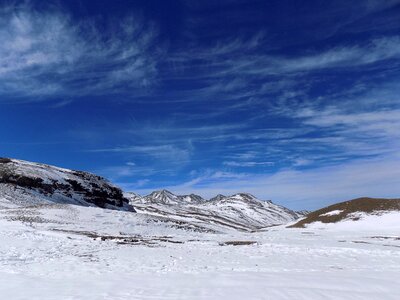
(40, 262)
(332, 213)
(385, 220)
(241, 211)
(182, 247)
(63, 186)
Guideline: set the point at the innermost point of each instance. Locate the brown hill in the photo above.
(342, 210)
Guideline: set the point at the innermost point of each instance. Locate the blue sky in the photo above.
(294, 101)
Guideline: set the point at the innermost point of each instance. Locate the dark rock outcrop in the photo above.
(56, 183)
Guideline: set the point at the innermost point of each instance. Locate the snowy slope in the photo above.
(27, 183)
(240, 211)
(385, 220)
(192, 198)
(354, 211)
(58, 252)
(246, 208)
(218, 197)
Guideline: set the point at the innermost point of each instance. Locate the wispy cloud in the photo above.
(169, 153)
(240, 73)
(371, 123)
(46, 53)
(248, 163)
(115, 173)
(345, 56)
(238, 58)
(356, 132)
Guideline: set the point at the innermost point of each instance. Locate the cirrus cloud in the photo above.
(47, 53)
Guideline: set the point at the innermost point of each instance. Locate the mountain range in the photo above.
(28, 184)
(241, 211)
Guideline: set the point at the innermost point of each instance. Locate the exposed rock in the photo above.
(23, 180)
(192, 198)
(218, 197)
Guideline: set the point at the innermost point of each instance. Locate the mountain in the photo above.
(246, 208)
(164, 197)
(240, 211)
(352, 210)
(302, 213)
(218, 197)
(192, 198)
(133, 197)
(26, 183)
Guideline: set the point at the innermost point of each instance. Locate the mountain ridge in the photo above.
(240, 210)
(164, 196)
(29, 183)
(24, 183)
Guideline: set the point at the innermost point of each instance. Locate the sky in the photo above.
(290, 100)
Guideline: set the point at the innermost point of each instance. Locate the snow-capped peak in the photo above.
(162, 197)
(243, 197)
(192, 198)
(166, 197)
(218, 197)
(162, 193)
(133, 197)
(239, 197)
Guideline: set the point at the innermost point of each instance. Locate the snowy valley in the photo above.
(73, 235)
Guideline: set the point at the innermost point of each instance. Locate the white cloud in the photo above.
(117, 172)
(46, 53)
(238, 58)
(248, 163)
(332, 116)
(246, 72)
(346, 56)
(358, 132)
(163, 153)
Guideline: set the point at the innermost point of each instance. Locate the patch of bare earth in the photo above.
(125, 240)
(237, 243)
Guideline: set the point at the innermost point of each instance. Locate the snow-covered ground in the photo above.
(53, 252)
